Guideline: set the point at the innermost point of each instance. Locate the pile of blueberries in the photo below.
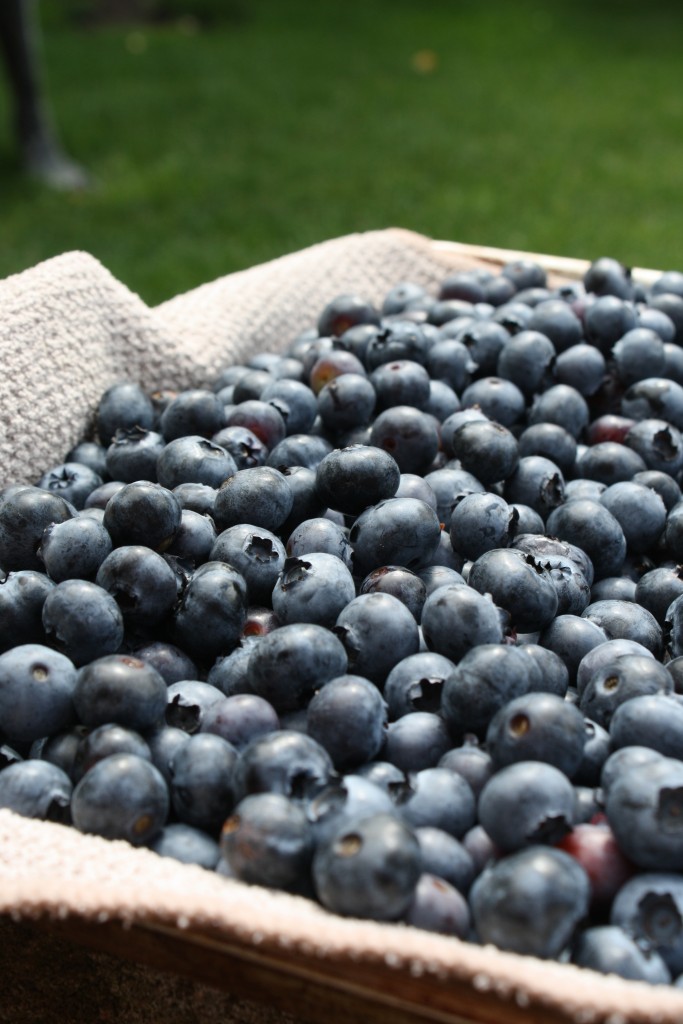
(392, 621)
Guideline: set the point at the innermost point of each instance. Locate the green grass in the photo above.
(552, 127)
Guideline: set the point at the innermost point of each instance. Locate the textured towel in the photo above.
(68, 329)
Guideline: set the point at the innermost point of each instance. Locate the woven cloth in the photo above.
(69, 329)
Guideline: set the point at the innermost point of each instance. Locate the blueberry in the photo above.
(299, 450)
(537, 727)
(320, 534)
(267, 840)
(347, 716)
(416, 741)
(263, 419)
(447, 486)
(260, 496)
(256, 553)
(248, 387)
(524, 273)
(188, 701)
(607, 276)
(659, 444)
(186, 844)
(543, 798)
(486, 449)
(194, 459)
(295, 402)
(551, 442)
(143, 513)
(399, 582)
(82, 620)
(397, 531)
(74, 549)
(92, 454)
(530, 902)
(349, 797)
(401, 296)
(99, 498)
(163, 744)
(36, 692)
(654, 397)
(438, 798)
(288, 665)
(640, 511)
(376, 631)
(409, 435)
(244, 447)
(603, 654)
(195, 538)
(517, 583)
(484, 341)
(25, 513)
(449, 361)
(591, 526)
(209, 618)
(483, 681)
(573, 591)
(615, 682)
(22, 596)
(123, 405)
(582, 366)
(471, 761)
(286, 762)
(611, 950)
(526, 360)
(638, 354)
(400, 382)
(400, 339)
(643, 807)
(651, 719)
(628, 621)
(438, 907)
(500, 400)
(36, 789)
(456, 619)
(572, 637)
(239, 718)
(122, 690)
(445, 856)
(442, 401)
(203, 787)
(554, 677)
(353, 478)
(133, 454)
(415, 683)
(72, 481)
(347, 401)
(195, 411)
(140, 581)
(537, 482)
(229, 673)
(346, 310)
(121, 797)
(650, 908)
(104, 741)
(562, 405)
(370, 869)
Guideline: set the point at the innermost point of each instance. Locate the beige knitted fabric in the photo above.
(68, 329)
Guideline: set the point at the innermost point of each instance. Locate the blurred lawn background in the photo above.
(222, 133)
